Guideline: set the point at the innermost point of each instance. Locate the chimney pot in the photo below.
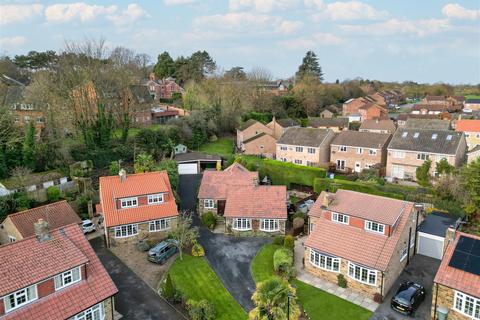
(123, 175)
(41, 230)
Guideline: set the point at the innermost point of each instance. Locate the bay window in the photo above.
(159, 225)
(467, 305)
(270, 225)
(20, 298)
(67, 278)
(324, 262)
(242, 224)
(362, 274)
(127, 230)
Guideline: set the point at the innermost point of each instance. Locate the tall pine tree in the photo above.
(165, 66)
(29, 148)
(310, 66)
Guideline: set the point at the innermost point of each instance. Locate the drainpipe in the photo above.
(408, 245)
(416, 232)
(436, 296)
(381, 287)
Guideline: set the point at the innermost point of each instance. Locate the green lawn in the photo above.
(194, 277)
(132, 132)
(222, 147)
(318, 304)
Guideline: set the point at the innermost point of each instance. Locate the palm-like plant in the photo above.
(272, 298)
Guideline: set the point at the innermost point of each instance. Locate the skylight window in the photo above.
(415, 135)
(404, 135)
(449, 137)
(434, 136)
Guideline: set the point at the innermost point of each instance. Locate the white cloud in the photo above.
(456, 11)
(76, 11)
(178, 2)
(315, 4)
(9, 42)
(11, 13)
(247, 21)
(128, 16)
(351, 10)
(262, 5)
(315, 40)
(396, 26)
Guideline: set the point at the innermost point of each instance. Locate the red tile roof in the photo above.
(366, 206)
(457, 279)
(27, 261)
(468, 125)
(112, 188)
(57, 215)
(356, 244)
(257, 202)
(216, 184)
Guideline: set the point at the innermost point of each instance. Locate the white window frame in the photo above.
(242, 224)
(460, 301)
(340, 218)
(30, 294)
(324, 262)
(311, 150)
(283, 148)
(269, 225)
(370, 226)
(155, 198)
(11, 239)
(312, 226)
(423, 156)
(342, 148)
(359, 150)
(297, 161)
(126, 230)
(67, 278)
(352, 268)
(404, 253)
(209, 203)
(298, 149)
(399, 154)
(124, 203)
(372, 152)
(159, 225)
(97, 312)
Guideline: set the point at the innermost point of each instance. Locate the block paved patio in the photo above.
(327, 286)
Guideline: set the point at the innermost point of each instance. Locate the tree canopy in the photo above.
(310, 66)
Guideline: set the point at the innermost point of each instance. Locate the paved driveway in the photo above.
(422, 270)
(187, 190)
(135, 299)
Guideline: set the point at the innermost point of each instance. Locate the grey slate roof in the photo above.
(196, 156)
(437, 224)
(310, 137)
(378, 125)
(433, 124)
(287, 122)
(424, 142)
(327, 122)
(361, 139)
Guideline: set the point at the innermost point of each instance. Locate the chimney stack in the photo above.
(41, 230)
(123, 175)
(326, 200)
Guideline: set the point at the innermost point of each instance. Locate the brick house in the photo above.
(305, 146)
(351, 106)
(163, 88)
(278, 126)
(250, 129)
(54, 274)
(456, 287)
(472, 104)
(436, 100)
(23, 112)
(473, 154)
(378, 126)
(429, 109)
(354, 151)
(410, 148)
(372, 111)
(261, 144)
(336, 124)
(471, 129)
(367, 238)
(247, 207)
(18, 226)
(138, 206)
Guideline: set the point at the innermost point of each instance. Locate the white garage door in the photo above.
(187, 168)
(430, 245)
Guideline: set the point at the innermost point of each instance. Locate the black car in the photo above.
(408, 298)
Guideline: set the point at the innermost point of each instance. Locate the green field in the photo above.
(222, 147)
(194, 277)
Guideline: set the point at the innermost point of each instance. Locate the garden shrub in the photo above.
(342, 282)
(278, 240)
(299, 214)
(289, 242)
(209, 220)
(168, 288)
(283, 262)
(370, 188)
(200, 310)
(197, 250)
(53, 194)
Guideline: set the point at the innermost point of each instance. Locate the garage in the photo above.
(431, 234)
(187, 168)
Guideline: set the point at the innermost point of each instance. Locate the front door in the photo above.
(221, 207)
(358, 167)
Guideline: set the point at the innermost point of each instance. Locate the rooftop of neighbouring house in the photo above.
(30, 261)
(437, 223)
(376, 124)
(456, 277)
(468, 125)
(327, 122)
(433, 141)
(113, 188)
(361, 139)
(57, 214)
(310, 137)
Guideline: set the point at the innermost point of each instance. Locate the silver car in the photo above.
(88, 226)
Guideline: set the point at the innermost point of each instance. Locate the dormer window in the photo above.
(449, 137)
(415, 135)
(404, 135)
(20, 298)
(340, 218)
(434, 136)
(155, 198)
(374, 227)
(129, 202)
(67, 278)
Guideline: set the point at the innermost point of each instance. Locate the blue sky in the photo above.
(390, 40)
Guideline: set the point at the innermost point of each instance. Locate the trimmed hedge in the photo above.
(395, 191)
(282, 173)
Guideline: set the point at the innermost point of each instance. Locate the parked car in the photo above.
(309, 203)
(408, 297)
(88, 226)
(303, 208)
(162, 251)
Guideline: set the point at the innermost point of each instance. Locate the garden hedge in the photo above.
(282, 173)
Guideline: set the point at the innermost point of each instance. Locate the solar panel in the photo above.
(466, 256)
